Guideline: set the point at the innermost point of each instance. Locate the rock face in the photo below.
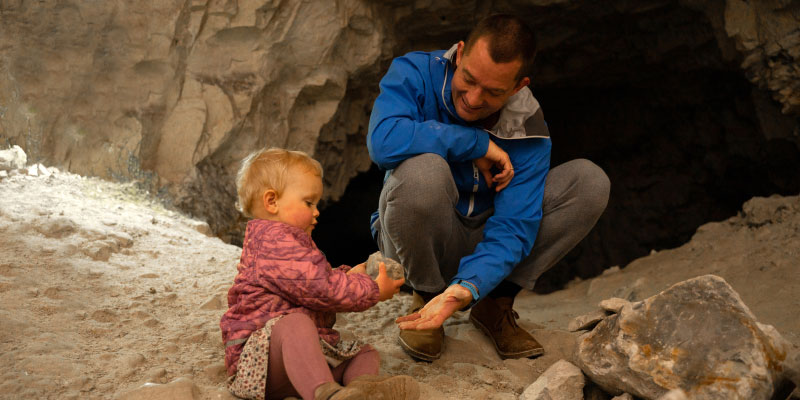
(697, 336)
(174, 93)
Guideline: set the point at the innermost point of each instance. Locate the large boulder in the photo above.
(697, 336)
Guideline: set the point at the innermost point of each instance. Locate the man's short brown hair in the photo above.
(509, 39)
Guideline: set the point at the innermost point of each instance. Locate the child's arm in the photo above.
(309, 281)
(387, 286)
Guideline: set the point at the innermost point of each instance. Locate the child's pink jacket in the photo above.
(282, 271)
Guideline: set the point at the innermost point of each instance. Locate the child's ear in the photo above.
(270, 201)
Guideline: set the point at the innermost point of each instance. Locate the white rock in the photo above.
(562, 381)
(33, 170)
(13, 158)
(43, 171)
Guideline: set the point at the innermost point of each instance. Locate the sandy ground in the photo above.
(104, 291)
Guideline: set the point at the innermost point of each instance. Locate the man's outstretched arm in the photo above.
(509, 235)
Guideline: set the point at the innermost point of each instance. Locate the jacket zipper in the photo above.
(475, 181)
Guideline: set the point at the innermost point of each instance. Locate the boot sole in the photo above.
(522, 354)
(416, 354)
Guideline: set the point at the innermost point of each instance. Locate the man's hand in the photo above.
(437, 310)
(495, 157)
(387, 286)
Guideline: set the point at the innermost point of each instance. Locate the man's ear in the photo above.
(459, 52)
(521, 84)
(270, 201)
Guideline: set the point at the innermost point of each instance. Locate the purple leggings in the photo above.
(297, 366)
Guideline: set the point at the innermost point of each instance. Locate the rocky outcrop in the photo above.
(174, 93)
(697, 336)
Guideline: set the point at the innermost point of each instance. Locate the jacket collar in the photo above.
(446, 93)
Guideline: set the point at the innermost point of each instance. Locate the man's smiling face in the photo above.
(481, 86)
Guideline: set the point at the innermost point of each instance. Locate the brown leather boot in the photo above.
(400, 387)
(426, 345)
(498, 320)
(334, 391)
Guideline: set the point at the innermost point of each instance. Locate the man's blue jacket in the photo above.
(414, 114)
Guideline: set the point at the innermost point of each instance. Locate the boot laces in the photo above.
(509, 316)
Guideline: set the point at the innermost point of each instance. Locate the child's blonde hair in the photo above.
(266, 169)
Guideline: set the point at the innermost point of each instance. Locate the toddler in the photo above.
(278, 330)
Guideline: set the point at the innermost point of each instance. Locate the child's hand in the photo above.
(358, 269)
(387, 286)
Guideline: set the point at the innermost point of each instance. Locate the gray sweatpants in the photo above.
(419, 225)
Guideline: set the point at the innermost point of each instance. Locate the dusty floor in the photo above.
(103, 291)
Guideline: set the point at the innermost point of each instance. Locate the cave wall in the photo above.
(172, 94)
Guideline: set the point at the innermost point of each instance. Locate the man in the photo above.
(469, 205)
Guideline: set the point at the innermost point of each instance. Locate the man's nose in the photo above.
(474, 97)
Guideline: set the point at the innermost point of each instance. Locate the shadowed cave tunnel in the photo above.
(684, 137)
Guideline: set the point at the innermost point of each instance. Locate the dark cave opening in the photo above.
(342, 231)
(680, 150)
(653, 97)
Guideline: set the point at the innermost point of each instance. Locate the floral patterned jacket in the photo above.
(282, 271)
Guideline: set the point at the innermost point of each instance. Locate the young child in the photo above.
(278, 330)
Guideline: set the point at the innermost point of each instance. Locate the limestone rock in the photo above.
(393, 268)
(37, 170)
(613, 305)
(13, 158)
(624, 396)
(586, 321)
(562, 381)
(697, 336)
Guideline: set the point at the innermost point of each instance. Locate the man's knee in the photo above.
(422, 183)
(593, 183)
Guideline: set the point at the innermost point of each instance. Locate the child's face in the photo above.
(297, 206)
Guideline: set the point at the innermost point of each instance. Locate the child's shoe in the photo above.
(335, 391)
(401, 387)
